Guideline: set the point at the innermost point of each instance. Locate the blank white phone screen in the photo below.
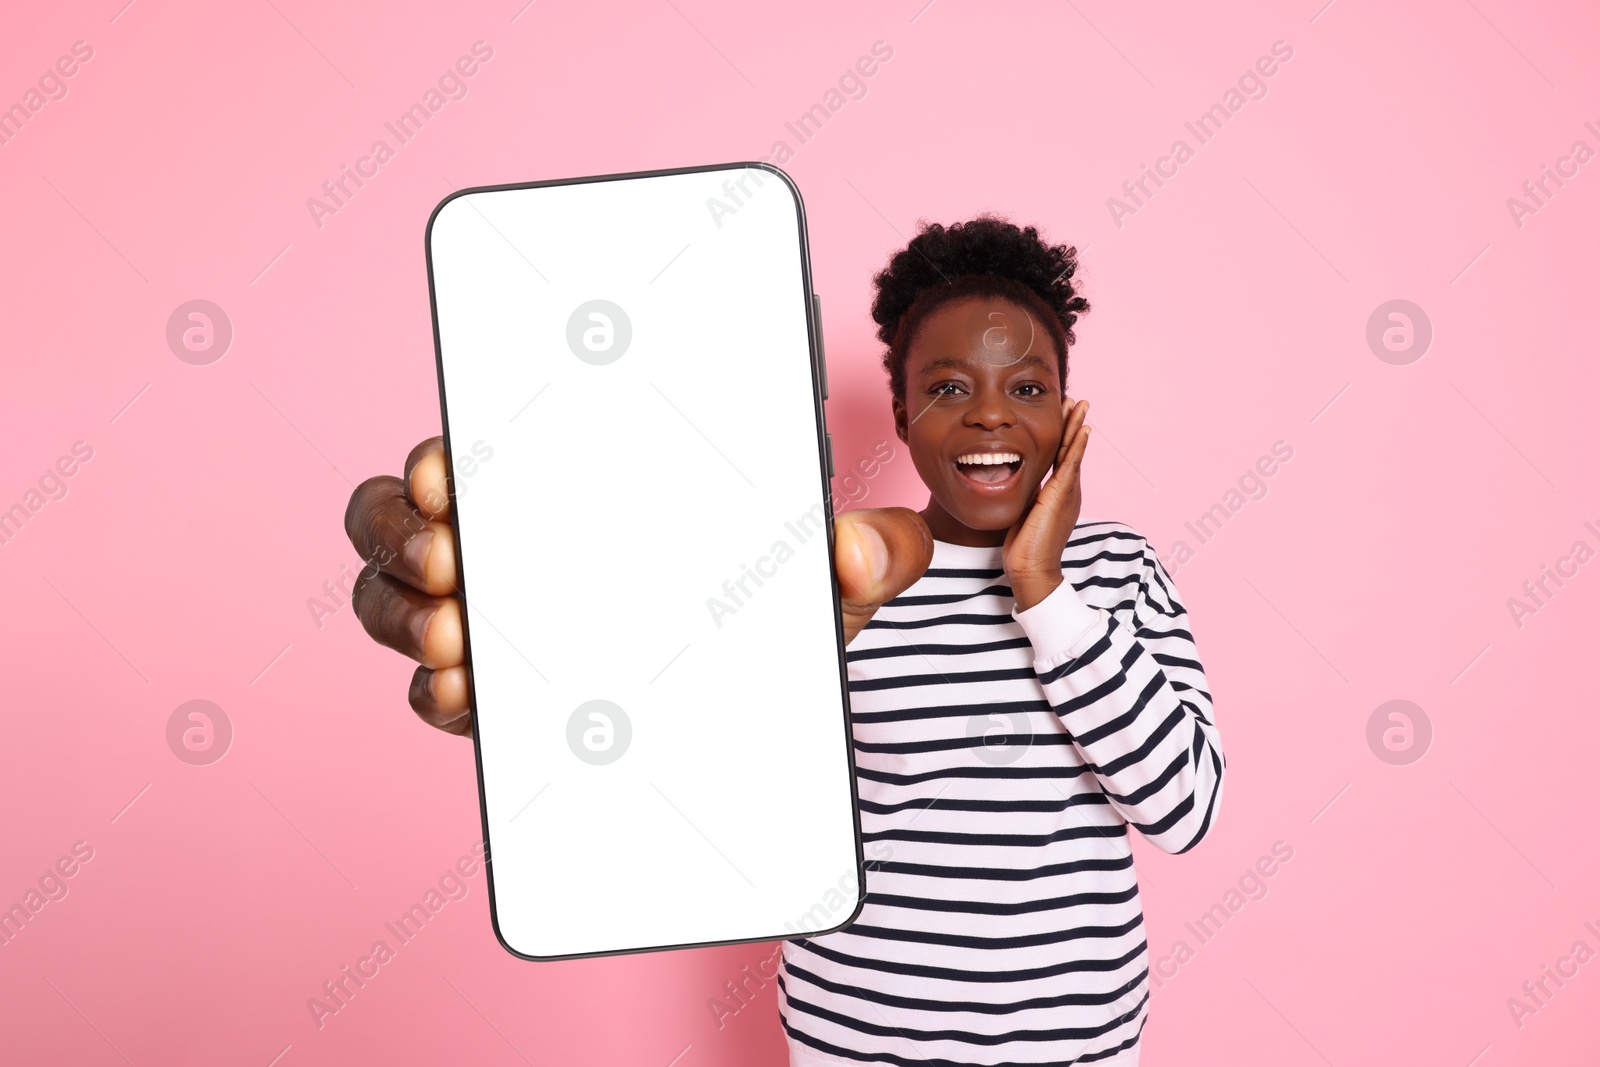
(661, 716)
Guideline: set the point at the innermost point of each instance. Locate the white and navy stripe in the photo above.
(1001, 757)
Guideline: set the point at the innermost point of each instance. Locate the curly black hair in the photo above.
(987, 255)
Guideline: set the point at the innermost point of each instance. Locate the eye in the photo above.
(1033, 385)
(937, 390)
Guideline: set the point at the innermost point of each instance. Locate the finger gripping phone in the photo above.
(630, 383)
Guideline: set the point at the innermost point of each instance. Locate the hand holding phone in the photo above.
(405, 597)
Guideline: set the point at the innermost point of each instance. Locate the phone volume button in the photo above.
(822, 358)
(829, 438)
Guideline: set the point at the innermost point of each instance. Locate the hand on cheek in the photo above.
(1034, 545)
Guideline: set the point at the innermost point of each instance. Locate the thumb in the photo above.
(878, 554)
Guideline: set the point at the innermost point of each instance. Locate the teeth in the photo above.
(989, 458)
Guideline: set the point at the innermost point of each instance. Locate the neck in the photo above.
(946, 527)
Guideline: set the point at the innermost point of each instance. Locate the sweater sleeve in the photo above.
(1131, 691)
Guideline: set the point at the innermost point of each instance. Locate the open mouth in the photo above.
(989, 472)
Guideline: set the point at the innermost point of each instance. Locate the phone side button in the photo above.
(822, 358)
(830, 454)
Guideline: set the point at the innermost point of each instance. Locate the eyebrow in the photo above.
(951, 363)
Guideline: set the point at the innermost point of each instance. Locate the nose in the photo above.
(991, 407)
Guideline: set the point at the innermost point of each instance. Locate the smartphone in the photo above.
(631, 381)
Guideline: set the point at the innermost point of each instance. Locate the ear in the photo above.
(899, 408)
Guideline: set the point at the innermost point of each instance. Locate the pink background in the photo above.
(1229, 313)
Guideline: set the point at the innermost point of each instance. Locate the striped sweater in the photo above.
(1001, 757)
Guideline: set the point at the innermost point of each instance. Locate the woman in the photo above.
(1018, 700)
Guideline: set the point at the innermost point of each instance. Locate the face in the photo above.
(981, 379)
